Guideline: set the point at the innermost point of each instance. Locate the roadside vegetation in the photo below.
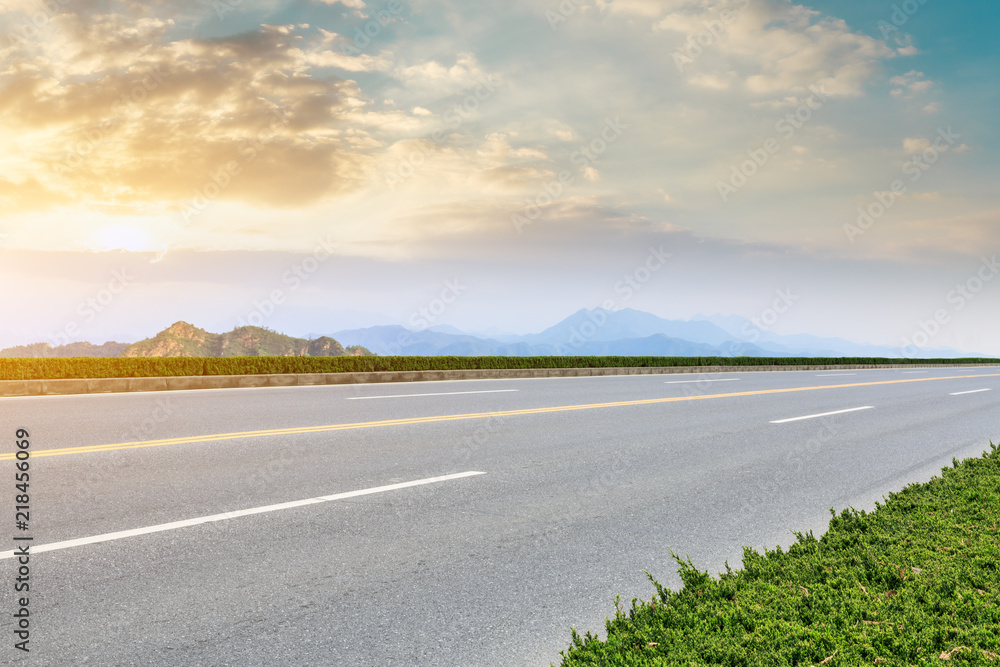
(916, 581)
(118, 367)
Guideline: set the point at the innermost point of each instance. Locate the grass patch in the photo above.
(915, 581)
(123, 367)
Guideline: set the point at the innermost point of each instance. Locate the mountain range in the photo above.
(625, 332)
(186, 340)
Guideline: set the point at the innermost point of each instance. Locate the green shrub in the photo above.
(119, 367)
(915, 581)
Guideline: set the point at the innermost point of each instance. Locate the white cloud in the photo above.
(910, 85)
(466, 72)
(352, 4)
(914, 146)
(351, 63)
(774, 47)
(645, 8)
(714, 81)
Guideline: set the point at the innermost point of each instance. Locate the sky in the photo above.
(312, 166)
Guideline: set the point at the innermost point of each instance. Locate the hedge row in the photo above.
(117, 367)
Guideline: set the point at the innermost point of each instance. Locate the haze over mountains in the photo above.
(625, 332)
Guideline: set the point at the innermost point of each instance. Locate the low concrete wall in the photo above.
(113, 385)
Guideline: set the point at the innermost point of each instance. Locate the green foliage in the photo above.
(89, 367)
(915, 581)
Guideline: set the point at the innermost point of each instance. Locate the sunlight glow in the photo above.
(120, 237)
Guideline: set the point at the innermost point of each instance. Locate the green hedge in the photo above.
(115, 367)
(915, 581)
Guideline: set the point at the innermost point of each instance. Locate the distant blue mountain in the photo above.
(586, 332)
(603, 325)
(626, 332)
(396, 340)
(807, 345)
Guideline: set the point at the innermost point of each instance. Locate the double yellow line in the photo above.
(444, 418)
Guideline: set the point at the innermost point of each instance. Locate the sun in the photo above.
(121, 237)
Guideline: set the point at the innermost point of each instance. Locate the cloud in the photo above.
(443, 79)
(645, 8)
(775, 48)
(350, 63)
(909, 85)
(137, 112)
(713, 81)
(120, 113)
(28, 195)
(792, 51)
(917, 145)
(965, 234)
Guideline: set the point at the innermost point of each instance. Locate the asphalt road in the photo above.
(585, 483)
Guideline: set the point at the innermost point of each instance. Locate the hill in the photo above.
(186, 340)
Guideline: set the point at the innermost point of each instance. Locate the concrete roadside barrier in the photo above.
(187, 382)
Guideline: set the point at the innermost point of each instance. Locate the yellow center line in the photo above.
(443, 418)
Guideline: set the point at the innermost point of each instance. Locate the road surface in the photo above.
(447, 523)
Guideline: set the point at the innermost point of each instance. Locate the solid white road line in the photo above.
(443, 393)
(834, 375)
(107, 537)
(695, 381)
(974, 391)
(823, 414)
